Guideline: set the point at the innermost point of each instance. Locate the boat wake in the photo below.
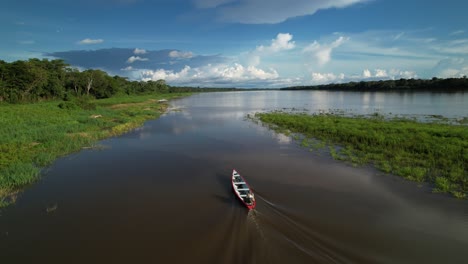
(280, 231)
(253, 218)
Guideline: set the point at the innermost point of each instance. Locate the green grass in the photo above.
(32, 136)
(423, 152)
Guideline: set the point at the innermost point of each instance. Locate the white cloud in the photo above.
(367, 75)
(379, 73)
(252, 59)
(398, 36)
(382, 43)
(398, 74)
(392, 74)
(88, 41)
(181, 54)
(219, 75)
(449, 68)
(283, 41)
(458, 41)
(378, 50)
(132, 59)
(129, 68)
(321, 78)
(138, 51)
(457, 32)
(454, 73)
(451, 47)
(322, 52)
(167, 75)
(282, 60)
(268, 11)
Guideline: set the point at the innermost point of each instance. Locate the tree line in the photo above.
(434, 84)
(38, 80)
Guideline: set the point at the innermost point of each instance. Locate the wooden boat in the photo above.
(242, 190)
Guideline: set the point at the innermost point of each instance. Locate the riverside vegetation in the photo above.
(32, 136)
(48, 109)
(424, 152)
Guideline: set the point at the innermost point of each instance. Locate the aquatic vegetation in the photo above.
(32, 136)
(431, 152)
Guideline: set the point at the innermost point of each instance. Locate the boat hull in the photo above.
(243, 190)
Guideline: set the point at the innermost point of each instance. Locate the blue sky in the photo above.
(243, 43)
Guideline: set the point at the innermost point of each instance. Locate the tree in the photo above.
(99, 84)
(57, 77)
(88, 77)
(28, 78)
(161, 86)
(73, 80)
(122, 84)
(3, 72)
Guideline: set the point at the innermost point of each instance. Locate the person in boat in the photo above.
(249, 198)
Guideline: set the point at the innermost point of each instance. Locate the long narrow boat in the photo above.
(242, 190)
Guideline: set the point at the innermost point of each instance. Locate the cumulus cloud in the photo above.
(132, 59)
(180, 54)
(382, 74)
(138, 51)
(89, 41)
(269, 11)
(321, 78)
(367, 75)
(283, 41)
(379, 73)
(166, 75)
(322, 52)
(398, 74)
(224, 75)
(252, 59)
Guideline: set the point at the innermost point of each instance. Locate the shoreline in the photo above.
(33, 136)
(434, 153)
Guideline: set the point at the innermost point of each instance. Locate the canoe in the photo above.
(242, 190)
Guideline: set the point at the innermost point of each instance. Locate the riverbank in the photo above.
(423, 152)
(32, 136)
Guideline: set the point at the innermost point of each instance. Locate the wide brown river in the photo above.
(162, 194)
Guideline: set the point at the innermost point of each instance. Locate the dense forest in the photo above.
(38, 80)
(434, 84)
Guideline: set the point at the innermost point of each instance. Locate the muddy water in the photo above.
(162, 194)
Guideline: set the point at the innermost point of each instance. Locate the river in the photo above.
(162, 193)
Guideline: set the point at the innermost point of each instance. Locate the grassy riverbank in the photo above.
(32, 136)
(422, 152)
